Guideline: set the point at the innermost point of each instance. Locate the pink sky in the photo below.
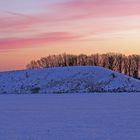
(30, 30)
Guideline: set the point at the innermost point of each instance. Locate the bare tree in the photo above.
(128, 65)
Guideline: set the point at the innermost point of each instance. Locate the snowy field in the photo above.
(70, 117)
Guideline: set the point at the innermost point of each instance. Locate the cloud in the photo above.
(75, 9)
(70, 11)
(42, 39)
(65, 13)
(82, 9)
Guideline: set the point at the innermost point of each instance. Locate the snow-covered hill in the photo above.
(67, 80)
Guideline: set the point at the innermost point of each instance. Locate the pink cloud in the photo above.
(60, 13)
(72, 10)
(82, 9)
(42, 39)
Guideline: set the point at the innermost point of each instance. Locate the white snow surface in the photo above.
(67, 80)
(70, 116)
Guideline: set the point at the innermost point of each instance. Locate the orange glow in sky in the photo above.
(33, 29)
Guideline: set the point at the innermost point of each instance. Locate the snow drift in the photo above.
(67, 80)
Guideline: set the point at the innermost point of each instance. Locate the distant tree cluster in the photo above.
(128, 65)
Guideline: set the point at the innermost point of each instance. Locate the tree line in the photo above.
(128, 65)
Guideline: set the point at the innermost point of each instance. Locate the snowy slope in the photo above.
(66, 80)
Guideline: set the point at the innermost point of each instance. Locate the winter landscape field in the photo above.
(69, 69)
(70, 103)
(70, 116)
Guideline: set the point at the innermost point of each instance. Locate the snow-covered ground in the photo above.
(65, 80)
(70, 117)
